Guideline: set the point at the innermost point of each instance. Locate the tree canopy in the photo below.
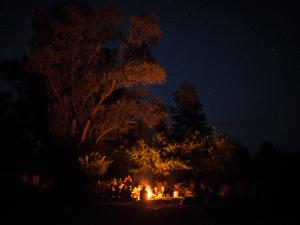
(187, 113)
(94, 60)
(97, 64)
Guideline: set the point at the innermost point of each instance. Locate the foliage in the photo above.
(151, 159)
(218, 151)
(96, 63)
(194, 142)
(187, 113)
(92, 64)
(197, 157)
(208, 155)
(94, 164)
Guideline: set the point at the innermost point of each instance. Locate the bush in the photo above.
(94, 164)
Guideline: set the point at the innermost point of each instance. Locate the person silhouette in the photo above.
(143, 194)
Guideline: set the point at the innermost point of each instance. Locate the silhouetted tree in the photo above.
(209, 157)
(187, 113)
(92, 64)
(239, 167)
(21, 115)
(275, 173)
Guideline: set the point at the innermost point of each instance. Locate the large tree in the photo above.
(93, 61)
(187, 113)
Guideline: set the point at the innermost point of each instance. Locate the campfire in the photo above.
(157, 193)
(125, 188)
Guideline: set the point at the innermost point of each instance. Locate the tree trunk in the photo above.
(85, 131)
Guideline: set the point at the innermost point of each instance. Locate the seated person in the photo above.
(143, 194)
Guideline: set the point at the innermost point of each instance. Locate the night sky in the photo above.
(243, 56)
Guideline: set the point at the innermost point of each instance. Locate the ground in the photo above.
(26, 205)
(134, 213)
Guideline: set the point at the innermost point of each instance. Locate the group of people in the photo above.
(122, 187)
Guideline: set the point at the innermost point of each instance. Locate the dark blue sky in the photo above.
(243, 56)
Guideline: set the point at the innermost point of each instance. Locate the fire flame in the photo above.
(149, 195)
(152, 194)
(149, 191)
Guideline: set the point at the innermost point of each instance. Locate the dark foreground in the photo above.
(21, 204)
(150, 213)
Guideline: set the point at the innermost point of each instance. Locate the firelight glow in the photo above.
(149, 192)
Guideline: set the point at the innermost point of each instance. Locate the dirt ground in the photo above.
(151, 213)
